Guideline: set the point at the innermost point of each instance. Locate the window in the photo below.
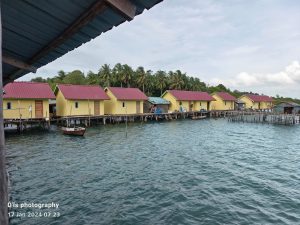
(8, 106)
(225, 102)
(123, 104)
(76, 105)
(200, 103)
(180, 103)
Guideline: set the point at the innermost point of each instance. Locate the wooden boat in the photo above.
(76, 131)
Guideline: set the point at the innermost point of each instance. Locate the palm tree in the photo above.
(92, 78)
(105, 74)
(117, 74)
(127, 73)
(141, 77)
(161, 80)
(61, 74)
(176, 80)
(150, 81)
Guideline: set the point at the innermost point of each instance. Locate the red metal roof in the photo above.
(128, 93)
(191, 95)
(28, 90)
(259, 98)
(80, 92)
(226, 96)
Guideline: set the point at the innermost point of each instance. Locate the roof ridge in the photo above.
(29, 82)
(87, 85)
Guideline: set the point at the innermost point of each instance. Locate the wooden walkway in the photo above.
(87, 121)
(265, 117)
(23, 124)
(115, 119)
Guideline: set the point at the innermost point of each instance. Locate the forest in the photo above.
(150, 82)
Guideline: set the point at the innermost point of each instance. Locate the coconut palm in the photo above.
(117, 74)
(141, 77)
(176, 80)
(161, 80)
(127, 73)
(105, 74)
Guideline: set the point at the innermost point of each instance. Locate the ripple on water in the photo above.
(179, 172)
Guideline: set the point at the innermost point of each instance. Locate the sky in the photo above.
(246, 45)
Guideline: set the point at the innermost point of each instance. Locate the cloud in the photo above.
(288, 78)
(208, 38)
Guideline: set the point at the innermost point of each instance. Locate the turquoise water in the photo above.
(179, 172)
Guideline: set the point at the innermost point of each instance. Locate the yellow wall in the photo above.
(220, 104)
(115, 106)
(175, 105)
(20, 108)
(66, 107)
(255, 105)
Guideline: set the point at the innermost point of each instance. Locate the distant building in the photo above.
(188, 100)
(79, 100)
(257, 102)
(239, 105)
(287, 108)
(160, 103)
(26, 100)
(124, 101)
(224, 101)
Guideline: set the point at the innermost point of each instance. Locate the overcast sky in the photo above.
(246, 45)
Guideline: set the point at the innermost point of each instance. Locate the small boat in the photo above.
(77, 131)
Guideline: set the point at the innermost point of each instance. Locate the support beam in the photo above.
(3, 175)
(124, 7)
(18, 63)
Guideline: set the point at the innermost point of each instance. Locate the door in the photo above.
(38, 109)
(137, 106)
(97, 108)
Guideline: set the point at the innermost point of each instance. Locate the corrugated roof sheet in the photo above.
(259, 98)
(128, 93)
(287, 104)
(82, 92)
(28, 90)
(226, 96)
(158, 101)
(29, 26)
(191, 95)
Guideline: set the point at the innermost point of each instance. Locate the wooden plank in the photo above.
(3, 174)
(96, 108)
(18, 63)
(138, 107)
(38, 109)
(124, 7)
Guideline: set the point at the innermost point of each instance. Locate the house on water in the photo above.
(161, 105)
(124, 101)
(287, 108)
(26, 100)
(79, 100)
(257, 101)
(188, 101)
(224, 101)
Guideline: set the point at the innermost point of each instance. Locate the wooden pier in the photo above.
(116, 119)
(23, 124)
(265, 117)
(87, 121)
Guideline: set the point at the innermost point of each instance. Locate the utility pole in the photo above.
(3, 175)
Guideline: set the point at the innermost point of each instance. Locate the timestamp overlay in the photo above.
(34, 210)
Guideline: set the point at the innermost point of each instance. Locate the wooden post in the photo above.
(3, 175)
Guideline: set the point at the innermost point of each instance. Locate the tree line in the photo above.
(151, 83)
